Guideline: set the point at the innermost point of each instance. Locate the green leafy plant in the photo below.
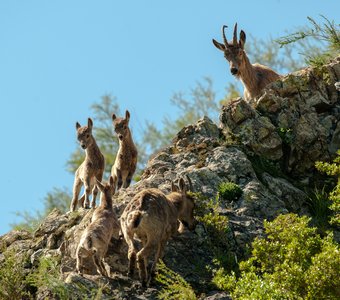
(327, 33)
(216, 224)
(333, 169)
(174, 286)
(291, 262)
(286, 135)
(47, 276)
(229, 191)
(318, 203)
(13, 276)
(263, 165)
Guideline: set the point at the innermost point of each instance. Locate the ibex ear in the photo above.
(182, 186)
(174, 187)
(242, 39)
(127, 116)
(78, 125)
(112, 184)
(218, 45)
(111, 181)
(114, 117)
(89, 123)
(100, 185)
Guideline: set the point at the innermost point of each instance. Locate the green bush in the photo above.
(47, 276)
(333, 169)
(174, 286)
(216, 240)
(229, 191)
(291, 262)
(13, 277)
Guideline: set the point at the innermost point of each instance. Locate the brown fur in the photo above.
(95, 239)
(154, 217)
(91, 169)
(255, 77)
(126, 159)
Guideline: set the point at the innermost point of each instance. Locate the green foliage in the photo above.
(208, 213)
(291, 262)
(174, 286)
(261, 165)
(199, 102)
(47, 276)
(229, 191)
(318, 203)
(269, 53)
(57, 198)
(333, 169)
(286, 135)
(232, 92)
(216, 224)
(29, 221)
(325, 41)
(323, 275)
(12, 276)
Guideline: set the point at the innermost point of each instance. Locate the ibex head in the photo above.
(121, 125)
(233, 51)
(107, 189)
(84, 134)
(186, 212)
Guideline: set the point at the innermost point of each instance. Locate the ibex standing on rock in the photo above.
(126, 159)
(253, 76)
(95, 239)
(154, 217)
(91, 169)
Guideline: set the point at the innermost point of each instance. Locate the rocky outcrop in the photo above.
(296, 121)
(262, 147)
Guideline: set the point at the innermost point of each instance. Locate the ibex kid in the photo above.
(91, 169)
(253, 76)
(154, 217)
(126, 159)
(96, 237)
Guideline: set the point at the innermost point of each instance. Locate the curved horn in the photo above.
(190, 183)
(235, 35)
(100, 186)
(223, 34)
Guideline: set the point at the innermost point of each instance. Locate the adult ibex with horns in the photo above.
(253, 76)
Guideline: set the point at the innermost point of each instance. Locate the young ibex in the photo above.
(154, 217)
(96, 237)
(126, 159)
(91, 169)
(253, 76)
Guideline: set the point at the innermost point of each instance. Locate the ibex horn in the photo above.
(223, 34)
(235, 35)
(190, 183)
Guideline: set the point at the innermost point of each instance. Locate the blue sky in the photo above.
(59, 57)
